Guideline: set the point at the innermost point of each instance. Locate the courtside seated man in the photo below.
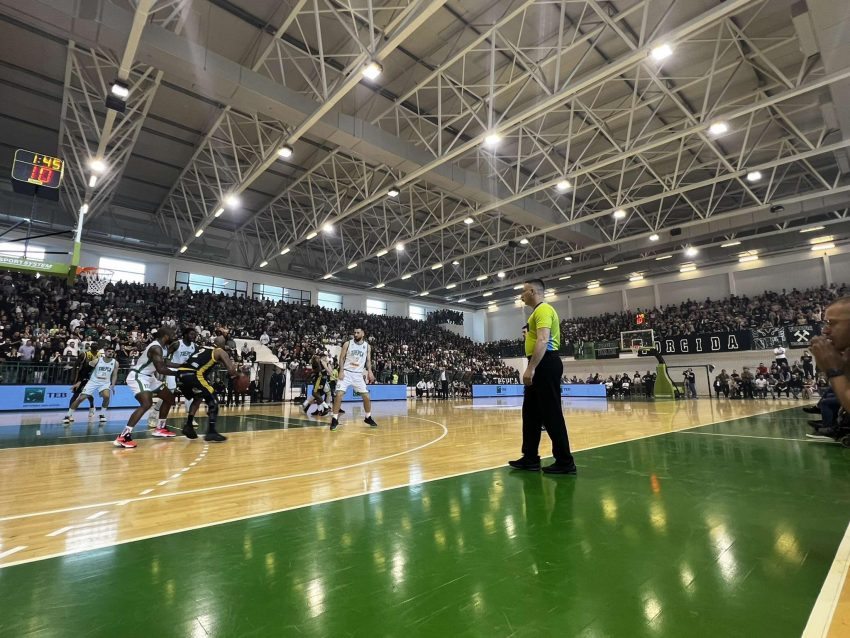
(541, 404)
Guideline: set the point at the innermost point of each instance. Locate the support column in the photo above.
(625, 300)
(657, 295)
(827, 269)
(570, 307)
(732, 287)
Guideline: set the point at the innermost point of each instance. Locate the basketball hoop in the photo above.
(95, 278)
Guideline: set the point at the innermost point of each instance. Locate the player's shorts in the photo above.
(353, 380)
(319, 384)
(143, 382)
(192, 385)
(171, 383)
(95, 386)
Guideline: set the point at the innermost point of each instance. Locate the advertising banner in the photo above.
(578, 390)
(55, 397)
(706, 342)
(378, 392)
(607, 349)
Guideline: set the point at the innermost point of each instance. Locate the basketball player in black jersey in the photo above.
(193, 382)
(82, 374)
(321, 377)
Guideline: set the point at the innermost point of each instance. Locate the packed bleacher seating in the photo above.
(44, 320)
(768, 310)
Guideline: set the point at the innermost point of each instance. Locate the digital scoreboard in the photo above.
(37, 169)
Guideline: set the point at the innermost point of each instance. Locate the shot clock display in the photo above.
(37, 169)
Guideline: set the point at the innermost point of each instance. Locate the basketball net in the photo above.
(95, 278)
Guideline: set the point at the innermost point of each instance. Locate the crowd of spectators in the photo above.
(765, 311)
(45, 320)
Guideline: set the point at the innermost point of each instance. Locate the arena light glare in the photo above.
(381, 252)
(312, 235)
(481, 278)
(747, 258)
(688, 268)
(818, 247)
(399, 247)
(380, 285)
(690, 251)
(487, 294)
(663, 257)
(568, 258)
(468, 221)
(812, 229)
(84, 209)
(199, 232)
(436, 266)
(592, 285)
(619, 214)
(518, 287)
(92, 181)
(183, 249)
(753, 176)
(232, 201)
(406, 276)
(730, 244)
(285, 251)
(661, 52)
(455, 263)
(492, 140)
(501, 274)
(636, 277)
(823, 239)
(563, 186)
(564, 278)
(285, 151)
(352, 265)
(523, 241)
(654, 237)
(718, 128)
(120, 89)
(328, 276)
(610, 268)
(424, 293)
(97, 166)
(264, 263)
(451, 286)
(462, 300)
(393, 191)
(372, 70)
(218, 212)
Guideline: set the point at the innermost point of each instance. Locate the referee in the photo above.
(541, 404)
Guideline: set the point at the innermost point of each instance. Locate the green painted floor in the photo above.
(683, 535)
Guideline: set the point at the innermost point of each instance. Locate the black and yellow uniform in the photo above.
(192, 375)
(85, 365)
(320, 377)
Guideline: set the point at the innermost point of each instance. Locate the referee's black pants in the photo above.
(541, 405)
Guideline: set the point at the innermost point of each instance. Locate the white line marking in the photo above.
(147, 491)
(61, 530)
(750, 436)
(11, 551)
(178, 475)
(268, 479)
(827, 601)
(96, 515)
(185, 469)
(339, 498)
(193, 464)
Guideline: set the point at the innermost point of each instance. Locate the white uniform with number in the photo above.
(143, 376)
(181, 355)
(354, 368)
(101, 377)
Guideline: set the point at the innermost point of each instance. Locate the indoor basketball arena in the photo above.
(425, 318)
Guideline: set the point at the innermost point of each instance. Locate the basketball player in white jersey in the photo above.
(101, 381)
(178, 354)
(145, 379)
(355, 365)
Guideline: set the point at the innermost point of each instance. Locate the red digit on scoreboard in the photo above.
(41, 174)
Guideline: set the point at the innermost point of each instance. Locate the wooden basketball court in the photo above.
(689, 516)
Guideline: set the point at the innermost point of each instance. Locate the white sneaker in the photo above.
(102, 418)
(91, 412)
(69, 418)
(153, 422)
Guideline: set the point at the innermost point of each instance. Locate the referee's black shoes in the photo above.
(561, 468)
(531, 465)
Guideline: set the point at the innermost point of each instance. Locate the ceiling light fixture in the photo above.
(492, 140)
(218, 212)
(451, 286)
(468, 221)
(436, 266)
(84, 209)
(654, 237)
(691, 251)
(380, 285)
(199, 232)
(328, 227)
(619, 214)
(183, 249)
(312, 235)
(406, 276)
(661, 52)
(730, 244)
(568, 258)
(393, 191)
(487, 294)
(455, 263)
(817, 247)
(461, 300)
(636, 277)
(519, 287)
(688, 268)
(718, 128)
(120, 89)
(285, 251)
(285, 151)
(481, 278)
(610, 268)
(592, 285)
(753, 176)
(822, 239)
(352, 265)
(328, 276)
(92, 181)
(399, 247)
(812, 229)
(424, 293)
(563, 186)
(501, 274)
(381, 252)
(232, 200)
(97, 166)
(372, 70)
(744, 260)
(663, 257)
(565, 277)
(524, 241)
(264, 263)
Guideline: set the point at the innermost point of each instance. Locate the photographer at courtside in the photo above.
(541, 405)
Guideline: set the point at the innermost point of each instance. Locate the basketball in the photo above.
(241, 382)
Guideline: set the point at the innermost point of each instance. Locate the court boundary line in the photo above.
(355, 495)
(823, 612)
(751, 436)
